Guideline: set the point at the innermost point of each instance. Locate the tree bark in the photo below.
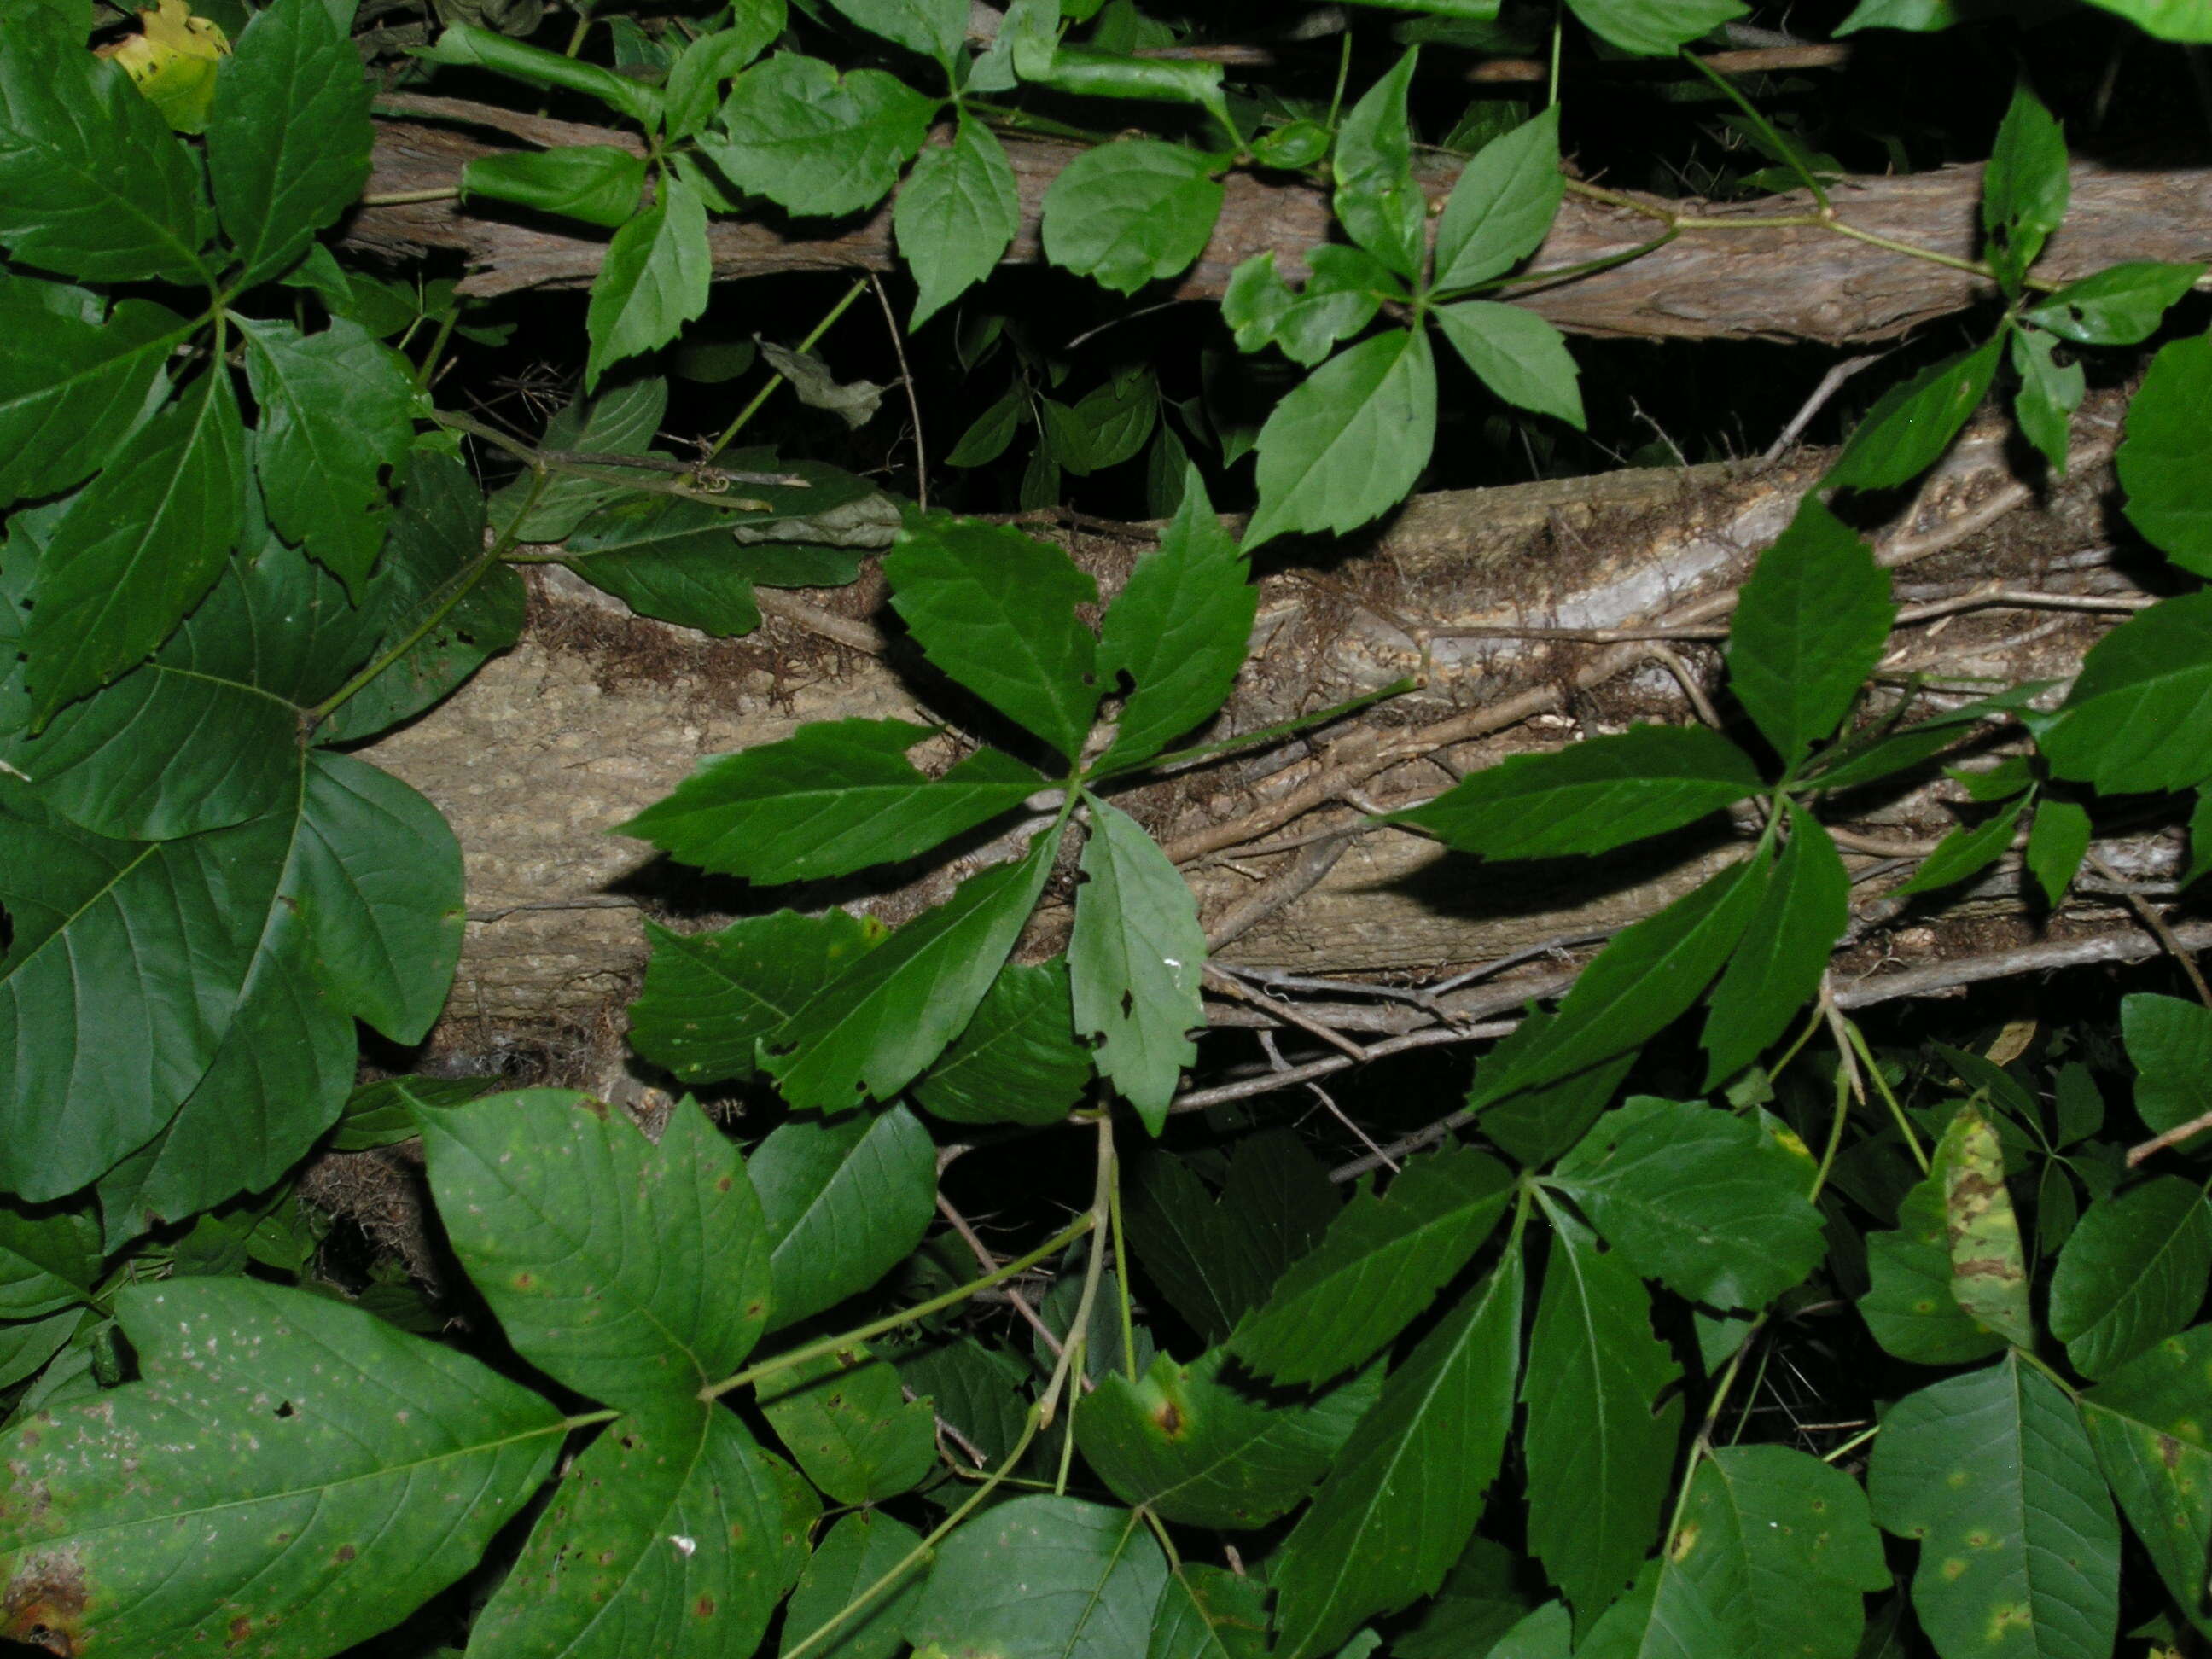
(1508, 605)
(1798, 283)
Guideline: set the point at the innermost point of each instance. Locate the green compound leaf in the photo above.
(92, 183)
(1774, 1554)
(1909, 1307)
(1019, 1061)
(1503, 206)
(338, 413)
(1520, 357)
(1376, 200)
(1350, 441)
(2169, 1041)
(2163, 462)
(1810, 628)
(956, 217)
(1403, 1499)
(595, 183)
(708, 998)
(138, 547)
(288, 134)
(845, 1202)
(2020, 1550)
(1208, 1450)
(857, 1551)
(2131, 1274)
(995, 610)
(1637, 986)
(870, 1031)
(1043, 1578)
(1913, 423)
(1131, 212)
(653, 280)
(306, 1474)
(842, 1417)
(2025, 187)
(1215, 1259)
(1600, 1456)
(663, 1537)
(1777, 968)
(2120, 305)
(2137, 717)
(635, 1273)
(836, 797)
(1179, 630)
(1654, 28)
(795, 130)
(1696, 1197)
(2147, 1423)
(669, 558)
(1377, 1266)
(71, 384)
(1589, 797)
(1135, 960)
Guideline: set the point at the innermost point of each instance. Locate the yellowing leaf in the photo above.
(172, 60)
(1989, 1274)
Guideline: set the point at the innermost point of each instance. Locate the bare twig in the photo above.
(990, 1264)
(1831, 383)
(913, 398)
(2147, 915)
(2173, 1137)
(855, 635)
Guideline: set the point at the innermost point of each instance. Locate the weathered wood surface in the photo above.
(1785, 284)
(597, 713)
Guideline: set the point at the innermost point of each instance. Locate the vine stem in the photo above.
(829, 1344)
(775, 376)
(1040, 1414)
(457, 589)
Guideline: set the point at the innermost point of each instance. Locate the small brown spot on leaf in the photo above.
(345, 1553)
(2169, 1451)
(241, 1630)
(704, 1607)
(1168, 1419)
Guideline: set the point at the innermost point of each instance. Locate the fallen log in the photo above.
(1754, 281)
(1533, 615)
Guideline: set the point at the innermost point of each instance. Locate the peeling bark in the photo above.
(1777, 283)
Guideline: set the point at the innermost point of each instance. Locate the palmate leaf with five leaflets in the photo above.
(1375, 1268)
(836, 797)
(1402, 1498)
(1135, 958)
(2020, 1550)
(1695, 1197)
(634, 1272)
(306, 1475)
(666, 1536)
